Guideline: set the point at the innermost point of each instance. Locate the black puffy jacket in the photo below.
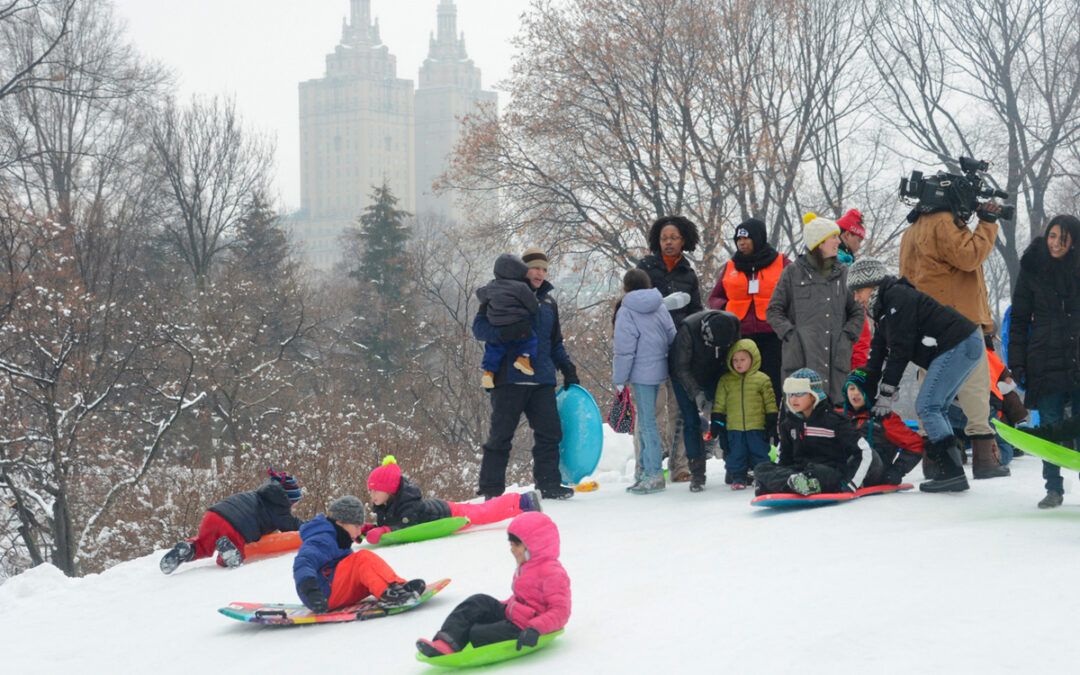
(258, 512)
(681, 278)
(696, 362)
(408, 507)
(824, 437)
(1045, 323)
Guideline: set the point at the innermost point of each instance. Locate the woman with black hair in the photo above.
(1044, 332)
(670, 272)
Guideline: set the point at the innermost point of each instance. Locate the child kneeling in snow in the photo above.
(329, 575)
(899, 448)
(540, 603)
(399, 503)
(820, 450)
(238, 520)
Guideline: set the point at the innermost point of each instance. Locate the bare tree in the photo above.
(31, 31)
(213, 168)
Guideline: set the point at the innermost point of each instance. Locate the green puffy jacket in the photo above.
(748, 397)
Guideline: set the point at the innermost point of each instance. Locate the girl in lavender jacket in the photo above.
(643, 333)
(540, 603)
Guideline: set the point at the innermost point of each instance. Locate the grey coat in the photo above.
(818, 322)
(509, 296)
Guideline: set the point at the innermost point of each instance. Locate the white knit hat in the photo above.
(818, 230)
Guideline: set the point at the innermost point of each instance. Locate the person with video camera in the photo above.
(943, 258)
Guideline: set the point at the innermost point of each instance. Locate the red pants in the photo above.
(214, 527)
(491, 511)
(359, 575)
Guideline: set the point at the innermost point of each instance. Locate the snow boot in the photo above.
(399, 595)
(487, 380)
(697, 474)
(440, 645)
(522, 364)
(228, 553)
(1052, 500)
(530, 501)
(950, 477)
(803, 484)
(985, 460)
(556, 492)
(741, 481)
(729, 478)
(184, 552)
(649, 485)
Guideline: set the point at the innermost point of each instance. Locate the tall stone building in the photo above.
(356, 130)
(449, 90)
(358, 127)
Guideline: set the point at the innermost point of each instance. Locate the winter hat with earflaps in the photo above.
(805, 381)
(292, 488)
(818, 230)
(386, 478)
(347, 510)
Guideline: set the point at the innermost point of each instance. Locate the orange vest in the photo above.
(737, 287)
(996, 368)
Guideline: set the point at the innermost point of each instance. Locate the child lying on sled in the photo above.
(820, 450)
(399, 503)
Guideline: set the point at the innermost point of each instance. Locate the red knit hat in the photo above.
(386, 478)
(852, 222)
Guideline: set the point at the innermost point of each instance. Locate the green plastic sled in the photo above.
(1040, 447)
(423, 531)
(471, 657)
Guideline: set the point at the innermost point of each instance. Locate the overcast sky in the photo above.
(259, 50)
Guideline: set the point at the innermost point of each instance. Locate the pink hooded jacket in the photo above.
(541, 597)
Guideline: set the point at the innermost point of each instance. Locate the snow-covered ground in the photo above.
(980, 582)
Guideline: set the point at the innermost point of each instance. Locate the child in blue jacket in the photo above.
(329, 575)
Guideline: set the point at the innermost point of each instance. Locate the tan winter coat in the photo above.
(945, 262)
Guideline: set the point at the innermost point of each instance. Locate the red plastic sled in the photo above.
(785, 500)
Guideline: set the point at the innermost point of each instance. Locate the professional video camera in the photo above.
(962, 194)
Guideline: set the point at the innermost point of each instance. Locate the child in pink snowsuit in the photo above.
(540, 603)
(399, 503)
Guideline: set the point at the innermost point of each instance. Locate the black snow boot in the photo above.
(181, 553)
(950, 477)
(697, 474)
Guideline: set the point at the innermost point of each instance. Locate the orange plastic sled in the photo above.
(273, 543)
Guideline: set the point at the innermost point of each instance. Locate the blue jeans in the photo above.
(1052, 409)
(645, 407)
(746, 449)
(691, 422)
(943, 379)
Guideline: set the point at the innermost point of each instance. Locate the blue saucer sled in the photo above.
(582, 434)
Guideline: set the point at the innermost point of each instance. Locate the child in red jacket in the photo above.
(540, 603)
(399, 503)
(899, 448)
(238, 520)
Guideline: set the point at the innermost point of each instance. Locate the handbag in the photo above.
(621, 413)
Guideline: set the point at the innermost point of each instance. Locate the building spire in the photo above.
(446, 46)
(360, 30)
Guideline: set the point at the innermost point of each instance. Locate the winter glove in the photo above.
(887, 395)
(1019, 375)
(313, 596)
(702, 403)
(528, 638)
(772, 431)
(676, 301)
(718, 426)
(376, 533)
(569, 376)
(516, 331)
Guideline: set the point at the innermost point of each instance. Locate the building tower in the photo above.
(356, 130)
(449, 88)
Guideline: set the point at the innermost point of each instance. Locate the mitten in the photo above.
(313, 596)
(528, 638)
(366, 527)
(718, 425)
(569, 375)
(376, 533)
(516, 331)
(676, 300)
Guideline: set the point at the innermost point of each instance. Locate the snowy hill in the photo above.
(978, 582)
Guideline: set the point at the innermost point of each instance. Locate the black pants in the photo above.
(769, 346)
(772, 478)
(480, 620)
(507, 403)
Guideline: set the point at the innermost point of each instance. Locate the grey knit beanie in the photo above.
(347, 509)
(866, 272)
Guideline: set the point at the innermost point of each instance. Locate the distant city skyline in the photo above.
(259, 50)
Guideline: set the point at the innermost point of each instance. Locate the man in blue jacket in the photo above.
(516, 393)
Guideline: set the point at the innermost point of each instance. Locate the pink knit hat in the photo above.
(386, 478)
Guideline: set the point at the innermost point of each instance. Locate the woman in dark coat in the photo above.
(1045, 327)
